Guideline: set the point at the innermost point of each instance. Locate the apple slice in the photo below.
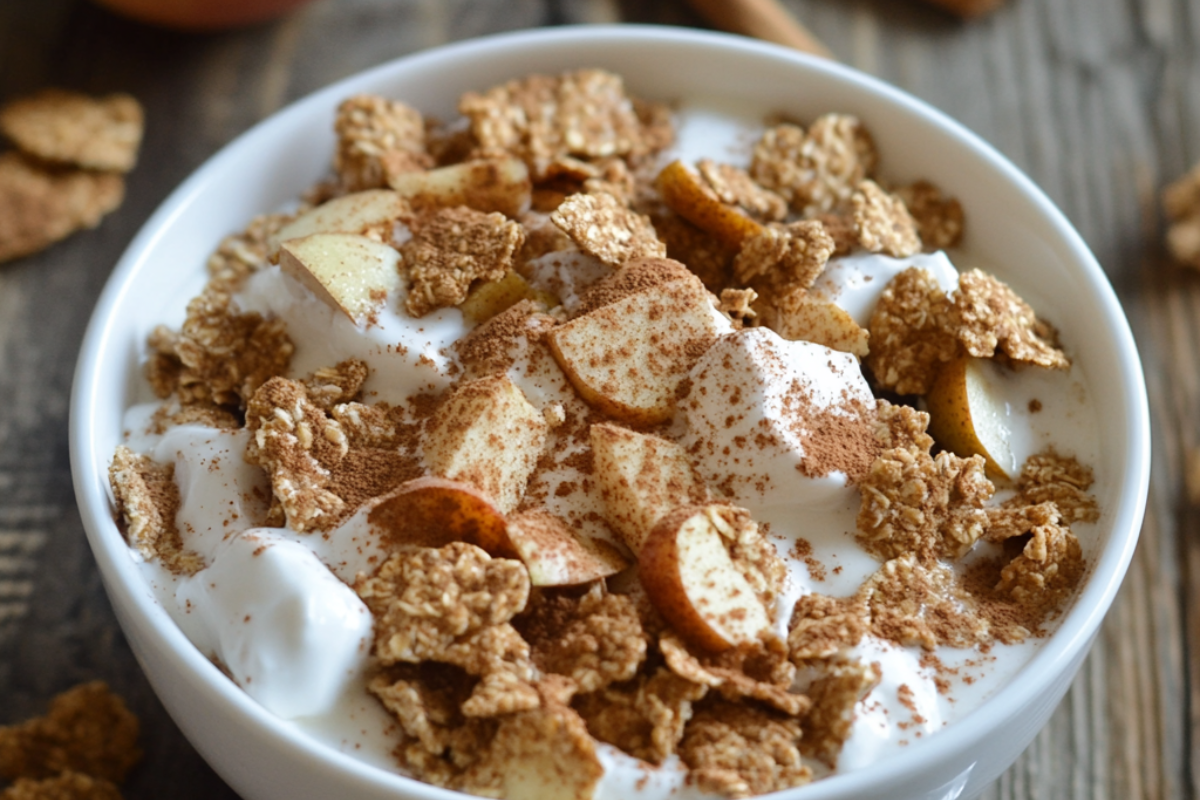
(433, 512)
(968, 414)
(553, 553)
(684, 192)
(628, 357)
(351, 213)
(498, 184)
(493, 297)
(487, 434)
(350, 272)
(797, 317)
(691, 579)
(642, 478)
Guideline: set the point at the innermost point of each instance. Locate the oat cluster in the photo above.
(67, 171)
(452, 248)
(83, 747)
(916, 328)
(510, 635)
(546, 119)
(377, 140)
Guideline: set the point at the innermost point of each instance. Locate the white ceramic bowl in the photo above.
(1012, 226)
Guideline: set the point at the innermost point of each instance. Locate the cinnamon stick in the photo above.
(762, 19)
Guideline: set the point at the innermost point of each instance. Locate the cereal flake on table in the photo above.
(39, 206)
(67, 785)
(87, 730)
(67, 171)
(71, 128)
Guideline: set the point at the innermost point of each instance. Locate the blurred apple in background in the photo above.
(201, 15)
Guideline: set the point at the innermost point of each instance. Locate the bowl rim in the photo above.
(1075, 630)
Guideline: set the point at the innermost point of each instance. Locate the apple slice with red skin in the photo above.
(691, 579)
(433, 512)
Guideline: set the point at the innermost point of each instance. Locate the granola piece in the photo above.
(658, 128)
(71, 128)
(835, 694)
(147, 499)
(783, 257)
(66, 785)
(909, 333)
(219, 356)
(331, 386)
(88, 729)
(842, 230)
(377, 138)
(1048, 569)
(541, 752)
(426, 699)
(644, 717)
(376, 426)
(737, 304)
(595, 640)
(1015, 518)
(1181, 202)
(241, 254)
(541, 118)
(817, 171)
(734, 185)
(1048, 476)
(450, 249)
(611, 176)
(702, 252)
(297, 445)
(822, 627)
(39, 206)
(989, 315)
(939, 218)
(760, 671)
(898, 425)
(923, 506)
(601, 225)
(883, 223)
(914, 603)
(453, 605)
(738, 750)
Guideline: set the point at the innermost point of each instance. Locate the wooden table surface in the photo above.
(1097, 100)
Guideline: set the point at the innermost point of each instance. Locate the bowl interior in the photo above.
(1011, 226)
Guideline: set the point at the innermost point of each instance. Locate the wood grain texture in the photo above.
(1094, 99)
